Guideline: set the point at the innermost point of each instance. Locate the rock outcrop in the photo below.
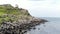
(18, 22)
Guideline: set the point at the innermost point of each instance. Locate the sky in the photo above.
(38, 8)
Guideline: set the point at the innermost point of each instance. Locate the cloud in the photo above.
(48, 8)
(45, 8)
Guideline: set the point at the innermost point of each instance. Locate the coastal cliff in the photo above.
(14, 20)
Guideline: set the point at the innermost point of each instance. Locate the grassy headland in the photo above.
(10, 13)
(14, 20)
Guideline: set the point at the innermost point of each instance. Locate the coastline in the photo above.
(19, 28)
(17, 20)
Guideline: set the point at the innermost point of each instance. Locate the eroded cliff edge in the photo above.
(14, 20)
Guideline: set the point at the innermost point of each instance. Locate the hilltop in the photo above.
(14, 20)
(8, 12)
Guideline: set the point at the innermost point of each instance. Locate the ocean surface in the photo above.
(50, 27)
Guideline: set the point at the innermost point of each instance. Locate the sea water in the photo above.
(50, 27)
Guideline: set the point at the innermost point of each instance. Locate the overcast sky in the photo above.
(38, 8)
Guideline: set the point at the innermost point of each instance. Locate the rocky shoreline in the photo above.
(14, 20)
(19, 28)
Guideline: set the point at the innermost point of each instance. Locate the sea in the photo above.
(50, 27)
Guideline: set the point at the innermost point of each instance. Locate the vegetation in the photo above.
(10, 13)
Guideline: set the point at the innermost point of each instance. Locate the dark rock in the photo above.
(19, 28)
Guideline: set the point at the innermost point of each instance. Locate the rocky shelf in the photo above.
(18, 23)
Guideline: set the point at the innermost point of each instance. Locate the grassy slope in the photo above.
(7, 13)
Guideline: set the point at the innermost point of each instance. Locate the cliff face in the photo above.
(14, 20)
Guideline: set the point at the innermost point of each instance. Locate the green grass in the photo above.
(9, 10)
